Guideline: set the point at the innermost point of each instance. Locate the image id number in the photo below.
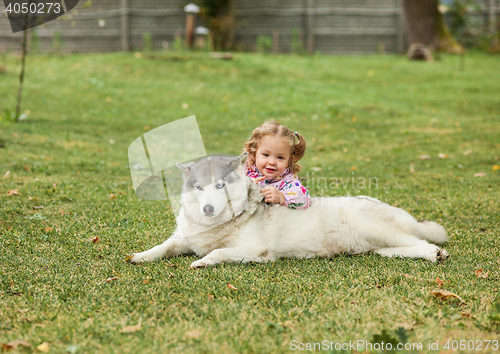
(32, 8)
(471, 345)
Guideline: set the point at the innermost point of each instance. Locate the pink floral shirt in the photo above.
(296, 195)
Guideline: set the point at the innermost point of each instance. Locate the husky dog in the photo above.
(224, 218)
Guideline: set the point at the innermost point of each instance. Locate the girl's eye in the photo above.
(281, 158)
(199, 188)
(266, 155)
(220, 185)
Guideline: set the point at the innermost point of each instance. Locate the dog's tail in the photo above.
(431, 231)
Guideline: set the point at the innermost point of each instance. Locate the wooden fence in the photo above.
(327, 26)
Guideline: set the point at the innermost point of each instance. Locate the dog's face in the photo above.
(214, 189)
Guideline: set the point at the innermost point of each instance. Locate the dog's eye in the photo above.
(199, 188)
(220, 185)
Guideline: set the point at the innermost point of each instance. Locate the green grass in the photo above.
(363, 117)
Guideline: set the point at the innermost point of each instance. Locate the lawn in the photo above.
(421, 136)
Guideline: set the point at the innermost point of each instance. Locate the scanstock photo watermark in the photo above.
(362, 345)
(25, 14)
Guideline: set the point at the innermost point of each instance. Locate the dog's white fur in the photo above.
(263, 232)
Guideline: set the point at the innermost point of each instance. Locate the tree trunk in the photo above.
(425, 25)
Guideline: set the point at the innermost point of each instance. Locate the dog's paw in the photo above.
(136, 258)
(201, 263)
(442, 256)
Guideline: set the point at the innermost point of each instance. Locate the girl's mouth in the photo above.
(270, 170)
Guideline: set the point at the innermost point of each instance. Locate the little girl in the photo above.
(273, 153)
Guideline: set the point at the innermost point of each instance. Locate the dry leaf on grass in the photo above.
(193, 334)
(13, 192)
(112, 196)
(26, 168)
(231, 286)
(424, 157)
(7, 174)
(443, 156)
(467, 152)
(131, 329)
(14, 344)
(96, 240)
(445, 294)
(48, 229)
(439, 282)
(44, 347)
(480, 273)
(412, 168)
(480, 174)
(211, 297)
(111, 279)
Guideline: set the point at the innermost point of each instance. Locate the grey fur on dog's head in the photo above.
(210, 169)
(214, 189)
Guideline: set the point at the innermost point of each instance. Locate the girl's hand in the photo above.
(272, 195)
(258, 179)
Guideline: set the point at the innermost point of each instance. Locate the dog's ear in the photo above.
(243, 157)
(185, 168)
(235, 162)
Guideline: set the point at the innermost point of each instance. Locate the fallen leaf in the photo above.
(96, 240)
(424, 157)
(112, 196)
(353, 168)
(445, 294)
(37, 207)
(211, 297)
(48, 229)
(14, 344)
(111, 279)
(442, 156)
(26, 168)
(439, 282)
(467, 152)
(495, 167)
(185, 106)
(231, 286)
(193, 334)
(7, 174)
(480, 174)
(412, 168)
(72, 349)
(111, 141)
(480, 273)
(44, 347)
(317, 169)
(13, 192)
(131, 329)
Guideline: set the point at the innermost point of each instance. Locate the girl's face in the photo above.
(272, 156)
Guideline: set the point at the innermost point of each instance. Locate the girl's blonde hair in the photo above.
(272, 128)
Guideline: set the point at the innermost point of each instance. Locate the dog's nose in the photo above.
(208, 209)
